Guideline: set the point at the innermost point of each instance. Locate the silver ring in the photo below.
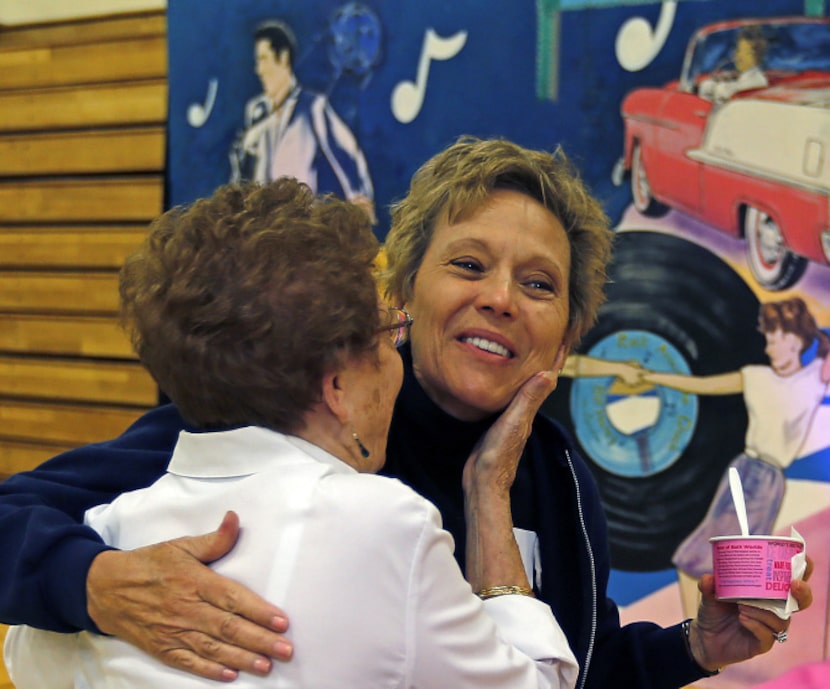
(781, 637)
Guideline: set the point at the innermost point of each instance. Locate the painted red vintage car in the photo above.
(755, 164)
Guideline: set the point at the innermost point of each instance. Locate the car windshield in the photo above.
(796, 47)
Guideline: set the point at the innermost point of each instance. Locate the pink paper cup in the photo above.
(753, 567)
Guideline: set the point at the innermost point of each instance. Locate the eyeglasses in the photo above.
(398, 328)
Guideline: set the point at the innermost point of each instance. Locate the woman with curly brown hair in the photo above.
(257, 312)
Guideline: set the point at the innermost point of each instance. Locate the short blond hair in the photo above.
(459, 179)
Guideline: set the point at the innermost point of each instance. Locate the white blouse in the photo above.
(359, 563)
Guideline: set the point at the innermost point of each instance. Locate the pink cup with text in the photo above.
(753, 567)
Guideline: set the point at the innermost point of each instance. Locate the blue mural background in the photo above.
(488, 89)
(541, 73)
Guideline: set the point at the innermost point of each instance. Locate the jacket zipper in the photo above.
(592, 639)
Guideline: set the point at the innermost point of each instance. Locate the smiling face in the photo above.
(490, 303)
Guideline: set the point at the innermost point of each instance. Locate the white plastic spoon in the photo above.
(738, 499)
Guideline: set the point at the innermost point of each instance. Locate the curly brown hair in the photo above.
(240, 303)
(460, 179)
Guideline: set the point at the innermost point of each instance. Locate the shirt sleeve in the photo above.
(47, 551)
(457, 640)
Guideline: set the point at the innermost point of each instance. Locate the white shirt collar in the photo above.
(244, 451)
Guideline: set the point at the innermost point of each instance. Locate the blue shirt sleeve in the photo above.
(47, 551)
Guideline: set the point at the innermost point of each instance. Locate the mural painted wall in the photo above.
(702, 125)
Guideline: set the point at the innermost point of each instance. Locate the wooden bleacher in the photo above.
(83, 109)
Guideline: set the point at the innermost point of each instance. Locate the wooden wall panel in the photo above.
(81, 200)
(76, 380)
(83, 109)
(68, 246)
(61, 335)
(84, 106)
(88, 152)
(15, 457)
(89, 63)
(62, 424)
(58, 293)
(81, 31)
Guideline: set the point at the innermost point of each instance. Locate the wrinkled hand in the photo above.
(165, 601)
(494, 460)
(492, 554)
(726, 633)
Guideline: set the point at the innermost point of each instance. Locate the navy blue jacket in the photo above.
(555, 496)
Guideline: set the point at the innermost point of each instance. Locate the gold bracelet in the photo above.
(493, 591)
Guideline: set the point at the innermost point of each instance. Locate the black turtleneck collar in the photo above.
(427, 450)
(416, 416)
